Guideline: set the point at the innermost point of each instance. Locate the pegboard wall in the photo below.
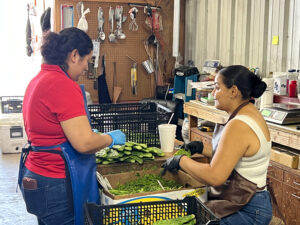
(132, 46)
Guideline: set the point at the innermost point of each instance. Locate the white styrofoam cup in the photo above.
(167, 137)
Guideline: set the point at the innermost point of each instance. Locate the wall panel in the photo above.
(225, 27)
(211, 31)
(199, 30)
(245, 32)
(295, 35)
(133, 46)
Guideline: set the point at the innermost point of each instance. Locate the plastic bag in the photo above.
(185, 131)
(83, 24)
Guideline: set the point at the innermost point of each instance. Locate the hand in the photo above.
(118, 137)
(194, 147)
(171, 164)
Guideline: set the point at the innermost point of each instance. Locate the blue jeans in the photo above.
(257, 212)
(50, 202)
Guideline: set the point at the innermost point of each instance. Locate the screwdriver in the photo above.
(206, 129)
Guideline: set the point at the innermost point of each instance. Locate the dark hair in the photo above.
(247, 82)
(57, 46)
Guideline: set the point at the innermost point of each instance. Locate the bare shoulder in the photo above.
(237, 127)
(255, 115)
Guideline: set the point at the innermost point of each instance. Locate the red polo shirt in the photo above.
(51, 97)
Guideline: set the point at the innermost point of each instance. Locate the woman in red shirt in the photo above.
(62, 143)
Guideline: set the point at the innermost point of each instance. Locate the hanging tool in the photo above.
(119, 20)
(103, 94)
(29, 50)
(132, 13)
(148, 64)
(116, 90)
(101, 34)
(206, 129)
(111, 37)
(82, 23)
(133, 76)
(78, 7)
(91, 68)
(96, 54)
(140, 5)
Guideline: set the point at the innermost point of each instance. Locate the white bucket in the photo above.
(167, 137)
(267, 97)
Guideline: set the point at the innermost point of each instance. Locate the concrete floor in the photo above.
(12, 207)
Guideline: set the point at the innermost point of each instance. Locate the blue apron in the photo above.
(80, 170)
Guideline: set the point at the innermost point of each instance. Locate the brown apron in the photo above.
(236, 191)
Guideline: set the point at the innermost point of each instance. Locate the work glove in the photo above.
(194, 147)
(171, 164)
(118, 137)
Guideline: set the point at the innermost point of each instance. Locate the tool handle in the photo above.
(115, 74)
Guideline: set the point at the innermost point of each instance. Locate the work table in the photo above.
(286, 135)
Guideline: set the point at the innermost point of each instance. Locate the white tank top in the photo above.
(254, 168)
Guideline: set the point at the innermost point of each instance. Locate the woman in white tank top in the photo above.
(241, 152)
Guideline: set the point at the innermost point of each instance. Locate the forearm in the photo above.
(81, 136)
(95, 143)
(200, 171)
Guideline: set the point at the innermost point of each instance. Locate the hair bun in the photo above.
(258, 88)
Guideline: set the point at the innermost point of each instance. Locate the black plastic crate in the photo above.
(146, 213)
(139, 121)
(11, 104)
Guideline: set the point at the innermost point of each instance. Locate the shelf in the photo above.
(204, 111)
(285, 99)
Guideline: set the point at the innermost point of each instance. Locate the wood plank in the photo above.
(285, 135)
(210, 113)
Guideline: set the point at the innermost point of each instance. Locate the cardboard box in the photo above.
(285, 157)
(122, 167)
(191, 188)
(296, 152)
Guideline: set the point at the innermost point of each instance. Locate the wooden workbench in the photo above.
(286, 135)
(284, 181)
